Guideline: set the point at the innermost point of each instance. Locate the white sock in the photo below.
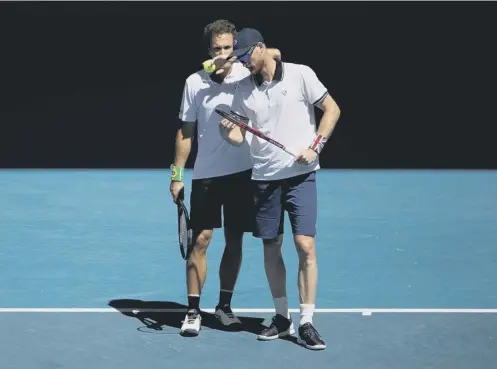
(281, 306)
(306, 313)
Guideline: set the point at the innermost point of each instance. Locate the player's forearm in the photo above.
(275, 53)
(329, 120)
(331, 113)
(183, 147)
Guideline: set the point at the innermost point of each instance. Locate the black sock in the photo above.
(225, 298)
(194, 302)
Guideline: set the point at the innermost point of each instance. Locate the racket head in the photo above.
(185, 232)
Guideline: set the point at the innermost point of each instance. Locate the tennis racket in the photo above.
(185, 232)
(235, 120)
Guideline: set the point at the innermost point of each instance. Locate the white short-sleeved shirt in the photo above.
(216, 157)
(283, 110)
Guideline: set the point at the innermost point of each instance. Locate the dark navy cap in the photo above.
(245, 39)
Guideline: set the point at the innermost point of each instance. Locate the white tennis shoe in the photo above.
(191, 325)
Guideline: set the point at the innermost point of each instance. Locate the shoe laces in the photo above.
(191, 317)
(227, 310)
(311, 332)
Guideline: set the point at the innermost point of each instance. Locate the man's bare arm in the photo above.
(331, 114)
(275, 53)
(223, 64)
(183, 145)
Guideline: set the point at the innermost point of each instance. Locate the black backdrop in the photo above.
(98, 85)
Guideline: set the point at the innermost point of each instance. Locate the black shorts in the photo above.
(226, 200)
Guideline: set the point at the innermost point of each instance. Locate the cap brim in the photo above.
(240, 52)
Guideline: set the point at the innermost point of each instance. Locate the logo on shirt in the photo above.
(284, 92)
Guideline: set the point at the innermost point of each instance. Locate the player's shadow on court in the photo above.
(156, 315)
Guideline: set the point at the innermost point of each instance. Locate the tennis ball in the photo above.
(209, 66)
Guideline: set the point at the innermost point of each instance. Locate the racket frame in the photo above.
(236, 120)
(183, 211)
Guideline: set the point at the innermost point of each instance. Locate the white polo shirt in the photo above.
(216, 157)
(283, 110)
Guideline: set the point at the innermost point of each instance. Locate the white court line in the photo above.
(363, 311)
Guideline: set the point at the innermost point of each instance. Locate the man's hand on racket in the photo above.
(306, 156)
(227, 125)
(232, 133)
(175, 189)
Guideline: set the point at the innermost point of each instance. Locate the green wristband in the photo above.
(176, 173)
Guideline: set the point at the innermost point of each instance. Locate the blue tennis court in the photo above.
(92, 275)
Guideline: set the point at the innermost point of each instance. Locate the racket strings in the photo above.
(183, 229)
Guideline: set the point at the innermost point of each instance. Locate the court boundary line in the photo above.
(362, 311)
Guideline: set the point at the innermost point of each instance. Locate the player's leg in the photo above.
(205, 214)
(301, 204)
(229, 268)
(269, 220)
(238, 209)
(230, 264)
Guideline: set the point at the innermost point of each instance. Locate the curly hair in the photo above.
(218, 27)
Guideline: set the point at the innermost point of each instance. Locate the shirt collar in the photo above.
(278, 74)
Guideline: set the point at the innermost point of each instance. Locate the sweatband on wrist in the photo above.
(176, 173)
(318, 143)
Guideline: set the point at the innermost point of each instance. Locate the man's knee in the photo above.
(202, 241)
(272, 249)
(233, 238)
(305, 247)
(272, 243)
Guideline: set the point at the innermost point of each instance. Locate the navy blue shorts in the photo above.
(296, 195)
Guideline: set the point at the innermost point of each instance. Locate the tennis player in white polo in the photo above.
(279, 99)
(221, 186)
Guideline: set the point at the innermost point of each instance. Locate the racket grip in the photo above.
(181, 194)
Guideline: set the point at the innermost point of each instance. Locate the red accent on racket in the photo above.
(235, 120)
